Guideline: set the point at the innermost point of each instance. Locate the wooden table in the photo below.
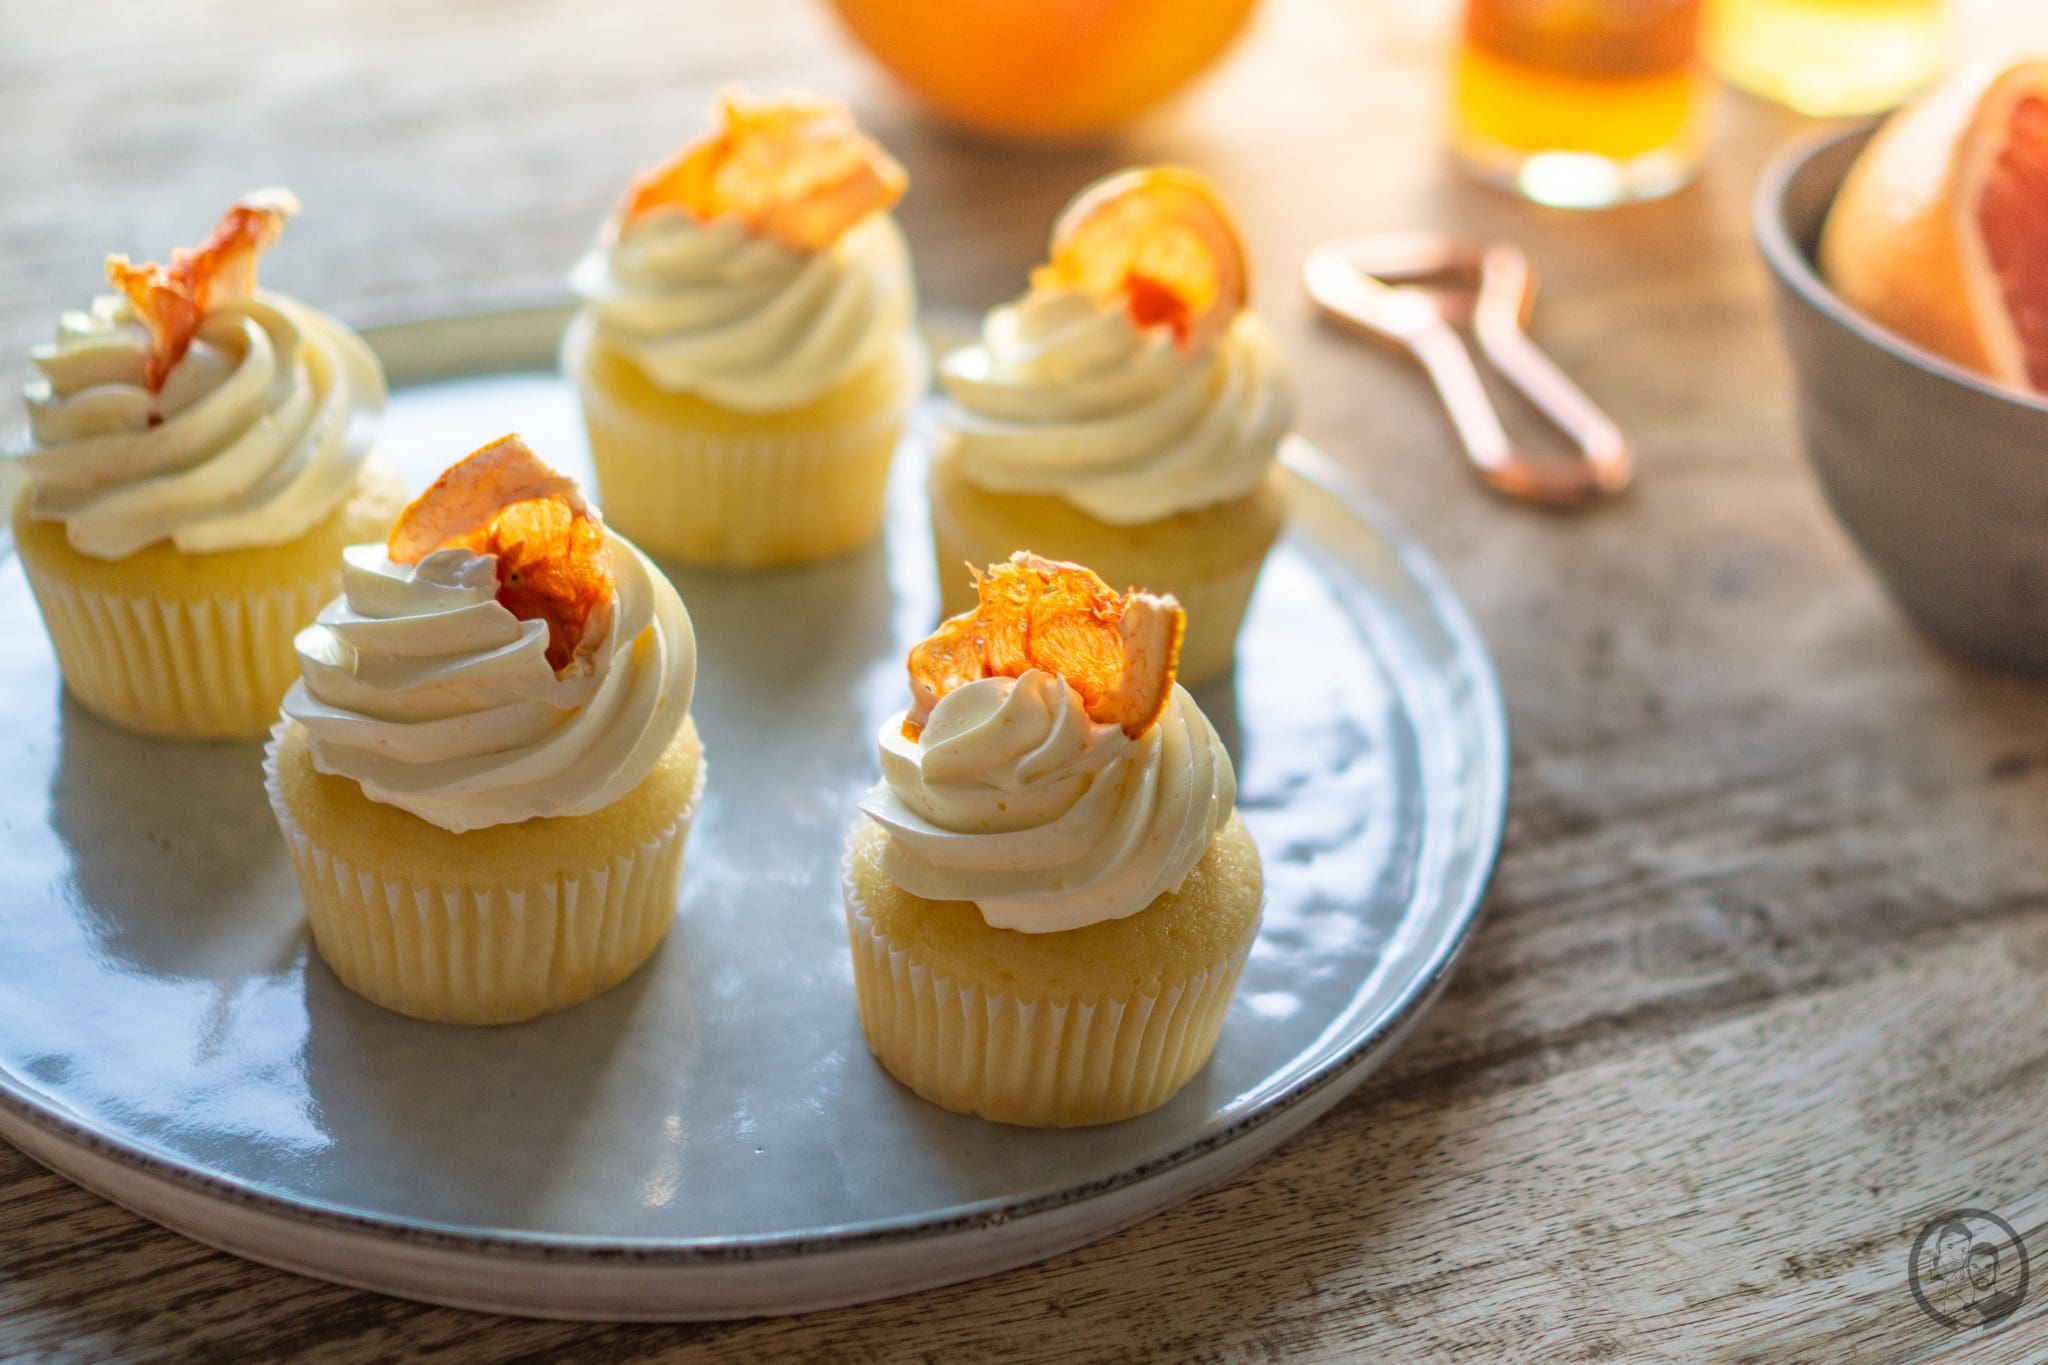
(1762, 982)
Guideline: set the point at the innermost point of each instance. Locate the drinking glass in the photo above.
(1828, 57)
(1581, 103)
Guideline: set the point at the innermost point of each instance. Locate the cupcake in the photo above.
(747, 351)
(488, 771)
(1050, 894)
(1124, 413)
(198, 453)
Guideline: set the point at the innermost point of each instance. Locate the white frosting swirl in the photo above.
(420, 686)
(1069, 398)
(712, 310)
(1013, 798)
(259, 432)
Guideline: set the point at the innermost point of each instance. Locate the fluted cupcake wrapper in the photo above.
(484, 953)
(708, 496)
(1035, 1063)
(205, 668)
(1215, 605)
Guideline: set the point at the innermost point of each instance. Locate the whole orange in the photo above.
(1044, 68)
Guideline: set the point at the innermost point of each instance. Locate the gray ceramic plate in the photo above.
(712, 1138)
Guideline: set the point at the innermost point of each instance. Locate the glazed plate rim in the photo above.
(522, 339)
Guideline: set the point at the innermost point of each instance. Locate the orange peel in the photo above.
(1158, 239)
(173, 300)
(1119, 651)
(504, 500)
(796, 170)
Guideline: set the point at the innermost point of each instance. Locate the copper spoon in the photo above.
(1413, 291)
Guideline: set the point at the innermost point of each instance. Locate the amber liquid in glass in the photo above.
(1829, 57)
(1581, 103)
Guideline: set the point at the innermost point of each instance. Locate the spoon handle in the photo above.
(1368, 285)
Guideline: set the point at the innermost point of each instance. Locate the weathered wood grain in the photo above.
(1762, 983)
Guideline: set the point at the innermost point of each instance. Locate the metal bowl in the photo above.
(1939, 475)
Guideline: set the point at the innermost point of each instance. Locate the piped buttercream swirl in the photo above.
(1065, 396)
(712, 310)
(258, 433)
(1011, 797)
(425, 690)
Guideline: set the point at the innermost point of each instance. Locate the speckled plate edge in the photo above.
(657, 1279)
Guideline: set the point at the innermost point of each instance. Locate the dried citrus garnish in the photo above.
(1118, 650)
(173, 300)
(505, 501)
(795, 170)
(1158, 240)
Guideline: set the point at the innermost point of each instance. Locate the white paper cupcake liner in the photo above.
(485, 954)
(208, 668)
(717, 497)
(1035, 1063)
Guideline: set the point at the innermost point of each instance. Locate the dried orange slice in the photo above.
(1118, 650)
(1160, 241)
(173, 300)
(1940, 231)
(504, 500)
(796, 170)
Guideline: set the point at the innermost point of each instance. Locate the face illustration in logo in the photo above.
(1951, 1252)
(1983, 1269)
(1968, 1269)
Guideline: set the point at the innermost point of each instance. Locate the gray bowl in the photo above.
(1939, 476)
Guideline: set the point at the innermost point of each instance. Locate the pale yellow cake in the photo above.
(1085, 1026)
(493, 925)
(689, 480)
(193, 646)
(1209, 558)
